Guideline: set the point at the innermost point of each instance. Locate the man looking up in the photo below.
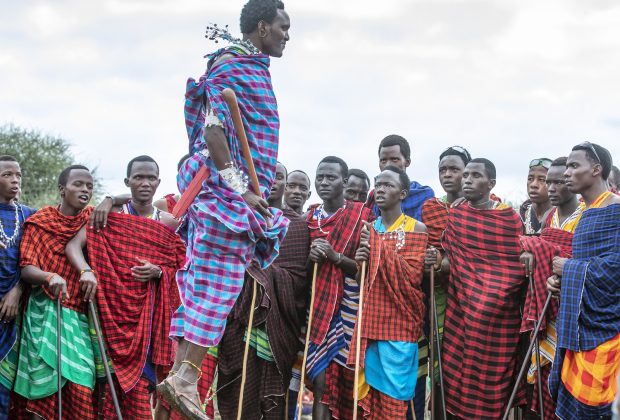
(587, 360)
(485, 288)
(12, 218)
(395, 150)
(46, 267)
(357, 186)
(532, 211)
(335, 227)
(138, 260)
(393, 313)
(277, 188)
(555, 240)
(227, 225)
(297, 191)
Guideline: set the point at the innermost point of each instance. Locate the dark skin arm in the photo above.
(35, 276)
(9, 304)
(220, 154)
(75, 254)
(99, 216)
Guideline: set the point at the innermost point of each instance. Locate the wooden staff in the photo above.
(104, 358)
(300, 396)
(433, 327)
(59, 346)
(231, 100)
(440, 367)
(358, 341)
(537, 350)
(246, 352)
(528, 355)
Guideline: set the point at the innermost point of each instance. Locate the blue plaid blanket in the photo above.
(590, 301)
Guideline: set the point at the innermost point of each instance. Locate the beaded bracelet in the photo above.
(49, 277)
(88, 270)
(235, 179)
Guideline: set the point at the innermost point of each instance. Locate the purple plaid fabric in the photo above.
(222, 233)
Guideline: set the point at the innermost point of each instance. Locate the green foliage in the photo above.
(42, 157)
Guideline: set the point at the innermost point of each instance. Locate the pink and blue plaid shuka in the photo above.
(222, 233)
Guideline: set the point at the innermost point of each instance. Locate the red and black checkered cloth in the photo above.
(46, 233)
(481, 333)
(435, 217)
(343, 233)
(551, 242)
(393, 298)
(78, 403)
(135, 315)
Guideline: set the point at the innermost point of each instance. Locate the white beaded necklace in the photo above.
(9, 242)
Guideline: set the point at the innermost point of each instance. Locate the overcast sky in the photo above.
(509, 80)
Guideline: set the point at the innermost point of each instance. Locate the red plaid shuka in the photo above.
(481, 332)
(343, 233)
(393, 297)
(551, 242)
(393, 307)
(78, 403)
(435, 218)
(46, 233)
(135, 315)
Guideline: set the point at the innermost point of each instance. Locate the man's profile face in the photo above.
(329, 182)
(356, 189)
(391, 155)
(277, 188)
(10, 181)
(476, 182)
(297, 191)
(277, 34)
(79, 189)
(451, 173)
(556, 186)
(580, 171)
(536, 185)
(143, 181)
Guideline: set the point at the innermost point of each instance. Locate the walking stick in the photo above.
(537, 350)
(433, 327)
(104, 357)
(440, 366)
(246, 352)
(358, 341)
(59, 346)
(300, 396)
(527, 357)
(231, 100)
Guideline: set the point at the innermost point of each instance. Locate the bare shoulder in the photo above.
(420, 227)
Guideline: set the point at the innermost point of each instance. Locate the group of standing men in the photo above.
(175, 288)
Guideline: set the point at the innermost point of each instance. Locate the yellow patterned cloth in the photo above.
(590, 376)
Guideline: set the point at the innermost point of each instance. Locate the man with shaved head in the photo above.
(481, 332)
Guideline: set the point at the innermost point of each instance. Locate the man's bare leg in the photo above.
(184, 376)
